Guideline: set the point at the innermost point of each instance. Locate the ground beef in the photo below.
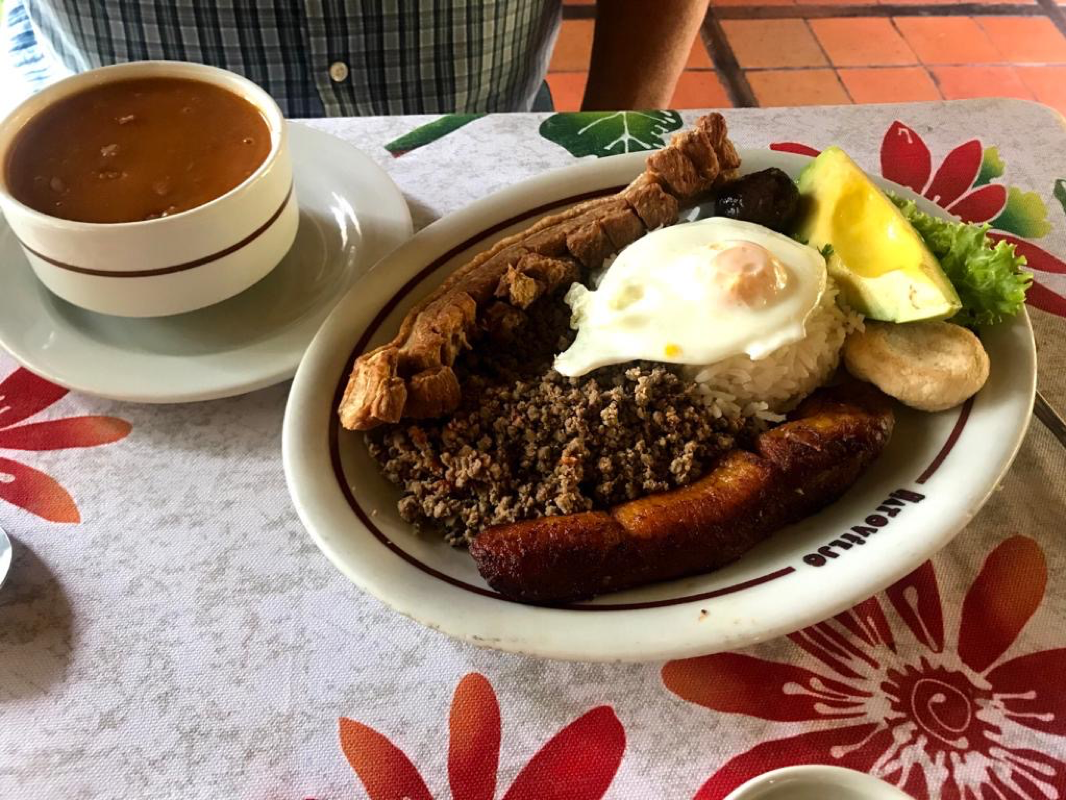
(528, 442)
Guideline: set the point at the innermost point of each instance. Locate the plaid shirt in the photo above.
(316, 57)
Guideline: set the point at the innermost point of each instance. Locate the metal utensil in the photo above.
(5, 555)
(1050, 417)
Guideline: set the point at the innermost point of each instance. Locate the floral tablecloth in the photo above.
(168, 630)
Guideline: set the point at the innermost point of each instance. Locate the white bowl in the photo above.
(173, 264)
(816, 782)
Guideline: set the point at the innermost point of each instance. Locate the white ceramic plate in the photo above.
(953, 460)
(351, 214)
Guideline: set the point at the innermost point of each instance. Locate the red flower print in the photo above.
(905, 159)
(23, 394)
(963, 185)
(1052, 271)
(936, 721)
(578, 763)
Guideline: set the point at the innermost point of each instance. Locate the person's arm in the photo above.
(638, 51)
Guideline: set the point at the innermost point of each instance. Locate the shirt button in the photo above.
(338, 71)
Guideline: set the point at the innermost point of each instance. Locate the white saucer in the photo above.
(351, 215)
(814, 782)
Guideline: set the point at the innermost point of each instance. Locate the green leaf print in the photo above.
(430, 132)
(609, 133)
(1025, 215)
(992, 167)
(1060, 193)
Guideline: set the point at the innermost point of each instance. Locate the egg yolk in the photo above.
(746, 274)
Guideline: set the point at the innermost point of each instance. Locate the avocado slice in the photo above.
(879, 261)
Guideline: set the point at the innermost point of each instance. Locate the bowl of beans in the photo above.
(149, 188)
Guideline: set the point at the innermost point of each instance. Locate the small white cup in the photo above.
(816, 782)
(173, 264)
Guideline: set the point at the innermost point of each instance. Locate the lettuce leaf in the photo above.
(987, 275)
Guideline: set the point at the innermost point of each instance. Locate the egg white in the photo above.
(658, 301)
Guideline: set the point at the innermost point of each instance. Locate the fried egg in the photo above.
(695, 293)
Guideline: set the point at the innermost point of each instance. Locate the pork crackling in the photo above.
(412, 376)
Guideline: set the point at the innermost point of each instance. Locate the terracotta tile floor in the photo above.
(796, 52)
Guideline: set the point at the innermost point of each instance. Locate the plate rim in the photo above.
(28, 358)
(293, 450)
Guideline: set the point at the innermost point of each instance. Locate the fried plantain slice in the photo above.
(795, 469)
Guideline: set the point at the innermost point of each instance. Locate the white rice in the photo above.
(768, 388)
